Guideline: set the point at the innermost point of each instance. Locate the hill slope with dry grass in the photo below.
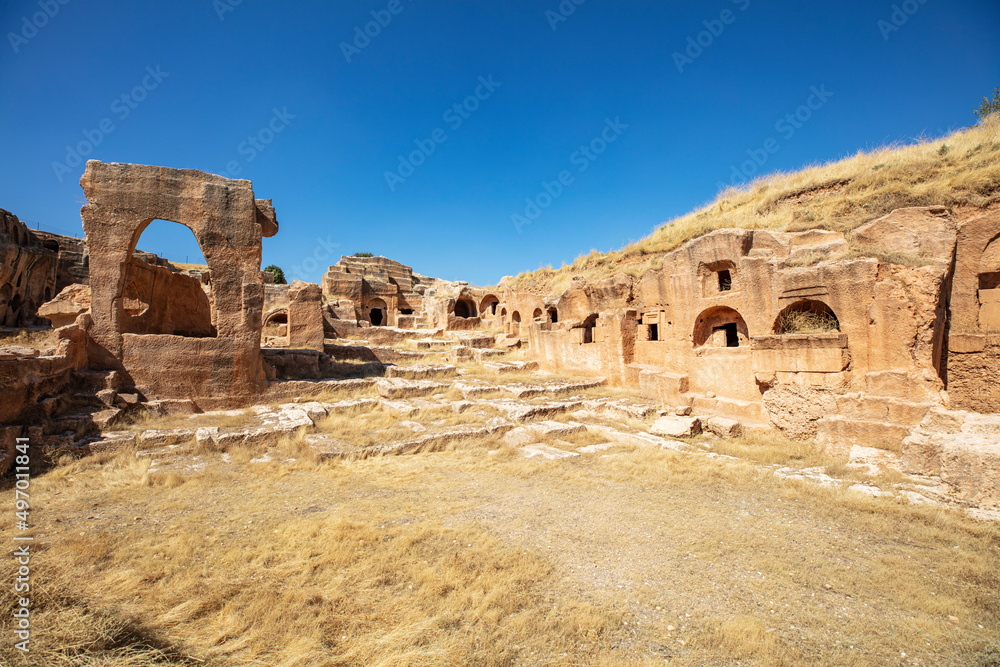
(962, 169)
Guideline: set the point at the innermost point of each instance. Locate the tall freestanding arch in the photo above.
(228, 223)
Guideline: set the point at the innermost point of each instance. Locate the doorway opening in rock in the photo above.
(654, 332)
(377, 313)
(725, 280)
(157, 296)
(515, 323)
(553, 315)
(588, 329)
(537, 315)
(465, 308)
(720, 326)
(488, 306)
(732, 336)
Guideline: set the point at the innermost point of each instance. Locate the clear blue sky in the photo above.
(343, 124)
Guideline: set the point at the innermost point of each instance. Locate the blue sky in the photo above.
(581, 119)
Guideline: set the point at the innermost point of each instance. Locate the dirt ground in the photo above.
(473, 556)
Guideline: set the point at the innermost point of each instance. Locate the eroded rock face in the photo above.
(221, 367)
(27, 273)
(715, 327)
(305, 316)
(70, 303)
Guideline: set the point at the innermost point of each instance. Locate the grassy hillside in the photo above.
(960, 169)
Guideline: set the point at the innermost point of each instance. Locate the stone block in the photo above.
(403, 388)
(546, 452)
(675, 426)
(971, 466)
(723, 427)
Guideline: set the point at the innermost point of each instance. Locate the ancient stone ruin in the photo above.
(886, 338)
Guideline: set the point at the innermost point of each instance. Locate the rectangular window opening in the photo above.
(725, 281)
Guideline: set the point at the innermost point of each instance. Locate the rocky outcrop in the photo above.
(27, 273)
(70, 303)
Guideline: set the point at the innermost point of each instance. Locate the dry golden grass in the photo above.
(36, 338)
(181, 266)
(146, 420)
(960, 169)
(457, 558)
(806, 321)
(383, 427)
(770, 447)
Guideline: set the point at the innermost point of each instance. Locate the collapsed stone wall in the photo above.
(27, 272)
(906, 332)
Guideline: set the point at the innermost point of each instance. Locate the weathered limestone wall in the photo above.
(157, 300)
(706, 329)
(29, 378)
(27, 273)
(74, 259)
(305, 316)
(972, 362)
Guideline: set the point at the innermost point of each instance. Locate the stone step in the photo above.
(403, 388)
(883, 408)
(662, 386)
(92, 382)
(836, 434)
(511, 366)
(733, 408)
(421, 371)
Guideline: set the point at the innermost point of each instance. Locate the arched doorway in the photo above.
(488, 306)
(720, 326)
(515, 323)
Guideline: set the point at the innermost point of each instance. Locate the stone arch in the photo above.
(537, 315)
(465, 307)
(806, 316)
(275, 316)
(720, 326)
(228, 222)
(515, 323)
(154, 299)
(378, 312)
(488, 306)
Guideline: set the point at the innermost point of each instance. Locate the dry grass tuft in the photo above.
(806, 321)
(39, 339)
